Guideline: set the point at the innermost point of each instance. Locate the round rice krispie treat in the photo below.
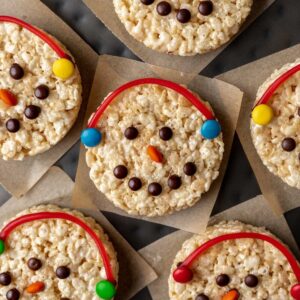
(183, 27)
(234, 261)
(161, 147)
(40, 90)
(275, 123)
(51, 253)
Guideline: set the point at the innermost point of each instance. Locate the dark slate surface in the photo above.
(277, 29)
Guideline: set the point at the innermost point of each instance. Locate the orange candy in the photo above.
(231, 295)
(35, 287)
(7, 98)
(154, 154)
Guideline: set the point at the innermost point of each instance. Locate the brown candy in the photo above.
(120, 171)
(5, 278)
(201, 297)
(131, 133)
(34, 264)
(41, 92)
(16, 71)
(288, 144)
(189, 169)
(251, 280)
(147, 2)
(32, 111)
(135, 183)
(13, 125)
(174, 182)
(154, 189)
(163, 8)
(183, 15)
(63, 272)
(205, 8)
(222, 280)
(13, 294)
(165, 133)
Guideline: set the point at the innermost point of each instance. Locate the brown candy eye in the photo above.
(34, 264)
(222, 280)
(154, 189)
(13, 294)
(163, 8)
(189, 169)
(165, 133)
(120, 171)
(147, 2)
(63, 272)
(13, 125)
(251, 280)
(205, 8)
(135, 183)
(183, 15)
(131, 133)
(201, 297)
(5, 278)
(174, 182)
(16, 71)
(41, 92)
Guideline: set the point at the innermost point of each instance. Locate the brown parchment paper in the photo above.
(225, 99)
(248, 78)
(56, 187)
(161, 253)
(18, 177)
(104, 10)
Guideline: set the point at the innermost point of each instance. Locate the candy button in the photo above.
(262, 114)
(295, 291)
(63, 68)
(91, 137)
(183, 274)
(210, 129)
(105, 290)
(2, 246)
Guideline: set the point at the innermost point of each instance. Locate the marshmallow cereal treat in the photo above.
(234, 261)
(183, 27)
(50, 253)
(153, 147)
(40, 90)
(275, 123)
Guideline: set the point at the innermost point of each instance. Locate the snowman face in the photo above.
(275, 123)
(182, 27)
(40, 91)
(152, 160)
(238, 268)
(54, 258)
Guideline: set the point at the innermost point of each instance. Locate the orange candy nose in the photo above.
(154, 154)
(231, 295)
(7, 98)
(35, 287)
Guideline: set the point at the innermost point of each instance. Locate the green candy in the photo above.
(105, 290)
(2, 246)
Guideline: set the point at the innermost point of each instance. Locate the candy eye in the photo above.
(251, 280)
(63, 272)
(13, 294)
(16, 71)
(201, 297)
(222, 280)
(120, 171)
(205, 8)
(5, 278)
(34, 264)
(41, 92)
(131, 133)
(165, 133)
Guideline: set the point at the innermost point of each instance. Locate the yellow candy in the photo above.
(63, 68)
(262, 114)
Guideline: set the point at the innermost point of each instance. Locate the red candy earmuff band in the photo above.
(183, 274)
(4, 234)
(165, 83)
(274, 86)
(60, 52)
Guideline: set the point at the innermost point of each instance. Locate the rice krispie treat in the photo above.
(183, 27)
(50, 253)
(231, 261)
(40, 90)
(161, 147)
(275, 123)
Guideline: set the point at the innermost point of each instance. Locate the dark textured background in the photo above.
(277, 29)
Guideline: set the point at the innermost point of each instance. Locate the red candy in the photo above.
(183, 274)
(165, 83)
(295, 291)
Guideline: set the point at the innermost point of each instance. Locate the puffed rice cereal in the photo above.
(55, 243)
(183, 27)
(250, 268)
(166, 165)
(278, 143)
(46, 106)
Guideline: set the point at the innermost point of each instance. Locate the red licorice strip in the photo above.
(165, 83)
(245, 235)
(60, 52)
(60, 215)
(274, 86)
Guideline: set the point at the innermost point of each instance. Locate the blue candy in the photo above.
(91, 137)
(210, 129)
